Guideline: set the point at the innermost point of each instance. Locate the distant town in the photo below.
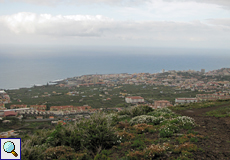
(79, 97)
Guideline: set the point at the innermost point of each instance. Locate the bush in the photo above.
(165, 112)
(185, 147)
(136, 111)
(156, 150)
(33, 147)
(137, 155)
(32, 152)
(143, 127)
(122, 117)
(101, 157)
(150, 152)
(138, 144)
(168, 130)
(62, 152)
(97, 133)
(122, 125)
(93, 134)
(65, 135)
(186, 122)
(146, 119)
(104, 155)
(125, 136)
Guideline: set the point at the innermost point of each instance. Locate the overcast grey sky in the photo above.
(145, 23)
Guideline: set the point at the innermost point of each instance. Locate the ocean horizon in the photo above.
(25, 71)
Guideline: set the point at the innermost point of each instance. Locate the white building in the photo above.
(2, 92)
(136, 99)
(185, 100)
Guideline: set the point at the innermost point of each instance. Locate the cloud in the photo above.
(46, 24)
(27, 28)
(80, 2)
(224, 3)
(220, 22)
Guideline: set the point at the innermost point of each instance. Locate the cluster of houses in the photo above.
(140, 100)
(58, 110)
(165, 103)
(173, 78)
(41, 110)
(4, 99)
(204, 97)
(221, 72)
(178, 80)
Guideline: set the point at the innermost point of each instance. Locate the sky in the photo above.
(118, 23)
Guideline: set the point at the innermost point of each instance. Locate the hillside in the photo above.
(138, 133)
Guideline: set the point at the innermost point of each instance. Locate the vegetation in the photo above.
(12, 122)
(220, 112)
(201, 105)
(132, 134)
(94, 95)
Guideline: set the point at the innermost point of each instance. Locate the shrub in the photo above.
(137, 155)
(93, 134)
(125, 136)
(63, 152)
(126, 144)
(165, 112)
(122, 125)
(126, 112)
(146, 119)
(168, 130)
(174, 121)
(186, 122)
(150, 152)
(182, 139)
(103, 155)
(33, 147)
(140, 128)
(97, 133)
(136, 111)
(146, 109)
(185, 147)
(157, 120)
(138, 144)
(122, 117)
(194, 139)
(186, 154)
(156, 150)
(32, 152)
(65, 135)
(113, 118)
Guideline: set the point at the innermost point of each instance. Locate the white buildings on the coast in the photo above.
(185, 100)
(135, 99)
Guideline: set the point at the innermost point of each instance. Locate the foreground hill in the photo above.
(216, 128)
(138, 133)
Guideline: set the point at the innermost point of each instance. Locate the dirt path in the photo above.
(216, 145)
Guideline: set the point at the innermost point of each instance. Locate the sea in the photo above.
(26, 71)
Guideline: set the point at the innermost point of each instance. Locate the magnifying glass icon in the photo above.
(9, 147)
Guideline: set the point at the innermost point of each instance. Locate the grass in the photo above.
(220, 112)
(200, 105)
